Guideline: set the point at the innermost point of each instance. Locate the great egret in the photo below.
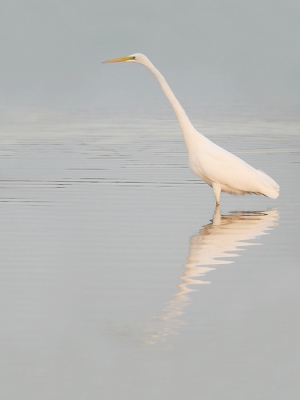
(221, 170)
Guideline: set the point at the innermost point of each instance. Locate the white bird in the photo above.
(220, 169)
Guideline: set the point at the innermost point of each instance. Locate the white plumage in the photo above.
(220, 169)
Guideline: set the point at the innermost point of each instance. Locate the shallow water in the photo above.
(120, 280)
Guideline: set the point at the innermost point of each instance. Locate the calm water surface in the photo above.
(119, 279)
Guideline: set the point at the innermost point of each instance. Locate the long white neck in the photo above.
(189, 132)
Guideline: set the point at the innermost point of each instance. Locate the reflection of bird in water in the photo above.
(221, 170)
(226, 233)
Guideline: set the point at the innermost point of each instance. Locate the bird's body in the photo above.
(220, 169)
(225, 172)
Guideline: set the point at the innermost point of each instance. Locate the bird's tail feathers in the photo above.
(271, 188)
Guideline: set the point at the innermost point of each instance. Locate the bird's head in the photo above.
(134, 58)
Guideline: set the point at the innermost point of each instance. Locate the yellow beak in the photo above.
(118, 60)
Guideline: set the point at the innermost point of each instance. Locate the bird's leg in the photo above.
(217, 192)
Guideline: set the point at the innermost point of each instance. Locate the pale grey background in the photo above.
(211, 52)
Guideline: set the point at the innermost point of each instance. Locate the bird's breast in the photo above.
(195, 167)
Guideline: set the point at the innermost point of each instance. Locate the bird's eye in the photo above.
(133, 58)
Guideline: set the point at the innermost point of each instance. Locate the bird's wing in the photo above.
(221, 166)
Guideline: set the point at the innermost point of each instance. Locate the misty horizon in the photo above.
(211, 53)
